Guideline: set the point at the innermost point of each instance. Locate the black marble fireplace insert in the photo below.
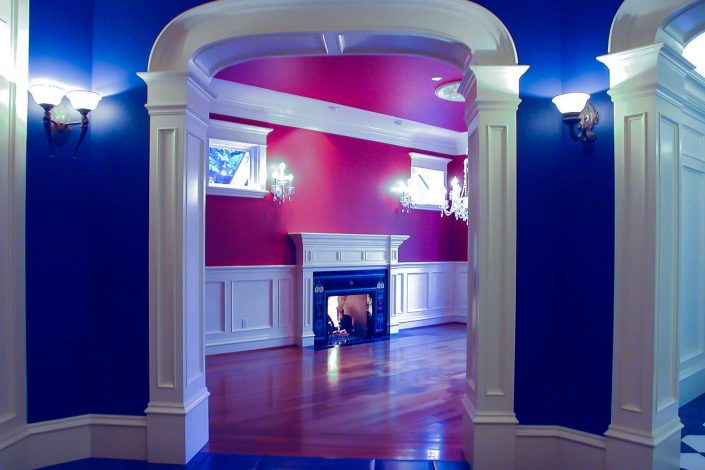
(349, 307)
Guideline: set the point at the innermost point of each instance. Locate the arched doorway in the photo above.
(184, 59)
(657, 116)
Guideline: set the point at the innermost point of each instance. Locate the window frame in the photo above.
(429, 162)
(245, 137)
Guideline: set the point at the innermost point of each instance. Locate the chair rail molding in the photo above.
(14, 48)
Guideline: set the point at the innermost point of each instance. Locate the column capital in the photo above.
(646, 71)
(491, 88)
(174, 92)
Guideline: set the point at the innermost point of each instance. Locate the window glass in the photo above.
(427, 185)
(229, 167)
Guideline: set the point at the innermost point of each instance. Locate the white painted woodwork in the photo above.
(254, 307)
(492, 94)
(692, 260)
(207, 38)
(255, 138)
(558, 448)
(177, 415)
(336, 252)
(260, 104)
(14, 52)
(76, 438)
(249, 307)
(652, 102)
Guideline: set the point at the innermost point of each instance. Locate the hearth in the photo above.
(349, 307)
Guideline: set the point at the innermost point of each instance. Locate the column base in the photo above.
(629, 450)
(176, 433)
(489, 442)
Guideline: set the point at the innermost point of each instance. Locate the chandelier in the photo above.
(406, 199)
(282, 189)
(457, 201)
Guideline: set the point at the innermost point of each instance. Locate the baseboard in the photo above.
(430, 321)
(240, 345)
(559, 448)
(78, 437)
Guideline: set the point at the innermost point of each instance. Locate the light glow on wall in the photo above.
(694, 52)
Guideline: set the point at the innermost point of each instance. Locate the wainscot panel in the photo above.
(249, 307)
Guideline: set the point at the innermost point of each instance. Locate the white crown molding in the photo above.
(260, 104)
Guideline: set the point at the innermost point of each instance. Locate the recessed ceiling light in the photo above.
(449, 92)
(437, 79)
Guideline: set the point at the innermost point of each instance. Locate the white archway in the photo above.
(659, 107)
(185, 57)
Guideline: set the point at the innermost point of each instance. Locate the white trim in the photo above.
(655, 92)
(203, 40)
(260, 104)
(237, 192)
(13, 137)
(242, 137)
(558, 447)
(75, 438)
(431, 162)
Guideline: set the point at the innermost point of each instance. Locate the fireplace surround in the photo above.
(350, 307)
(326, 265)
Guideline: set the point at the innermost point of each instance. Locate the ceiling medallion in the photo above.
(449, 92)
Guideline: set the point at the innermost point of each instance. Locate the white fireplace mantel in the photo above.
(334, 251)
(322, 250)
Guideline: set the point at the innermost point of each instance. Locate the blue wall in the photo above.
(87, 220)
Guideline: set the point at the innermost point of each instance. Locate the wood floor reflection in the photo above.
(396, 399)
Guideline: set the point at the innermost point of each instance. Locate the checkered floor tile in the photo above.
(693, 437)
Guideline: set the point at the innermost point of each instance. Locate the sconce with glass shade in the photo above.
(49, 96)
(282, 188)
(406, 199)
(578, 113)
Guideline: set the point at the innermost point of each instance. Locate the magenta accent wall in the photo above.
(342, 186)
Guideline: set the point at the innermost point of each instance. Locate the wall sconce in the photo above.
(282, 188)
(405, 199)
(578, 112)
(49, 96)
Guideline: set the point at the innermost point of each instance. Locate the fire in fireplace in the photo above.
(350, 307)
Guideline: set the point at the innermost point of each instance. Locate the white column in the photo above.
(646, 88)
(492, 94)
(177, 415)
(14, 47)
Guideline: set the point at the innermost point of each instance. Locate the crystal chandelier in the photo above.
(282, 188)
(457, 202)
(405, 199)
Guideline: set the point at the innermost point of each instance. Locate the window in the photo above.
(428, 180)
(237, 159)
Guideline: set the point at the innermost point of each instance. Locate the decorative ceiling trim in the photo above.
(260, 104)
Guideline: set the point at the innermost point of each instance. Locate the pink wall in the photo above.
(342, 186)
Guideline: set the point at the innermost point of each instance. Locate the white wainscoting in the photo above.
(428, 294)
(558, 448)
(692, 264)
(249, 307)
(253, 307)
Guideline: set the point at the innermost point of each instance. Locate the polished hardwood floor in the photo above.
(395, 399)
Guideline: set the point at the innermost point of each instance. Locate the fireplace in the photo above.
(349, 307)
(348, 276)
